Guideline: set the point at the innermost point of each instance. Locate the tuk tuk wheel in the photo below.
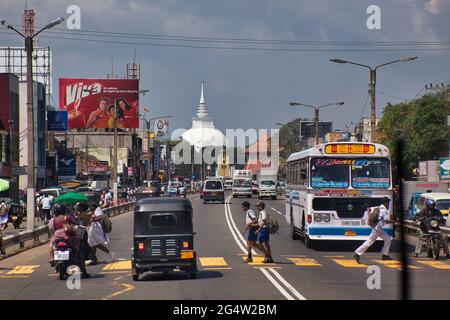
(135, 277)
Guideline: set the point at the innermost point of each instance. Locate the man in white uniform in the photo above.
(377, 231)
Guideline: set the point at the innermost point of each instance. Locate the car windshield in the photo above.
(370, 173)
(242, 183)
(329, 173)
(443, 204)
(268, 183)
(213, 185)
(175, 185)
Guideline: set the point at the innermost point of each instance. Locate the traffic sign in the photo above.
(18, 171)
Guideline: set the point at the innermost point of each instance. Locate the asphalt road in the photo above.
(298, 272)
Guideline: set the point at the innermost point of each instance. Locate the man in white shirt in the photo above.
(251, 224)
(377, 231)
(262, 241)
(46, 207)
(108, 197)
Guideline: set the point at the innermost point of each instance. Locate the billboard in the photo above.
(444, 169)
(67, 168)
(90, 102)
(160, 127)
(57, 120)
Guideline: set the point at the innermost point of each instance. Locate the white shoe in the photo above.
(112, 255)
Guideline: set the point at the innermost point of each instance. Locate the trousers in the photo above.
(371, 240)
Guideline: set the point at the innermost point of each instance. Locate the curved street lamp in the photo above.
(372, 84)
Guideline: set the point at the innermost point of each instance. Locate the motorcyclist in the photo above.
(424, 216)
(63, 227)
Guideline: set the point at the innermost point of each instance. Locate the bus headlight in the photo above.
(326, 217)
(317, 217)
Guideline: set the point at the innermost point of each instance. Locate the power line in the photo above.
(244, 48)
(238, 40)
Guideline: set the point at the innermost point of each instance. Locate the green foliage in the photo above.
(421, 122)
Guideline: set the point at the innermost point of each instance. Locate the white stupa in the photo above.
(203, 133)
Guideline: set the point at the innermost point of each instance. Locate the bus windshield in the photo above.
(329, 173)
(370, 173)
(242, 183)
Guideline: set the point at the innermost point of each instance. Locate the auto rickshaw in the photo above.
(163, 238)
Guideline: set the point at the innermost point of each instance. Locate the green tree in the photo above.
(422, 123)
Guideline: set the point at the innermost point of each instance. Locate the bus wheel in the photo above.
(294, 236)
(308, 242)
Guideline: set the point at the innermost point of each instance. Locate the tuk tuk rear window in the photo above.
(163, 221)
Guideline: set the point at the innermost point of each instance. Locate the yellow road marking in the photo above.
(213, 262)
(394, 264)
(224, 268)
(259, 261)
(305, 262)
(435, 264)
(349, 263)
(115, 272)
(22, 270)
(13, 277)
(121, 265)
(118, 278)
(128, 287)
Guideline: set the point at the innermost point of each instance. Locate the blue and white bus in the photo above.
(330, 186)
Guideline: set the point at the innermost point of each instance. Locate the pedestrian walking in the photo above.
(262, 241)
(377, 231)
(251, 225)
(46, 208)
(97, 237)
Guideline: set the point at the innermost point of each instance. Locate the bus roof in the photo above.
(379, 150)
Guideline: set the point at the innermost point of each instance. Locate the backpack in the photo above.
(372, 216)
(106, 224)
(272, 223)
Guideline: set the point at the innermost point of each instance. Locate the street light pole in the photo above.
(30, 110)
(316, 114)
(372, 86)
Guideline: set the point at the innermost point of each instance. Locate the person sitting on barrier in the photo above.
(423, 217)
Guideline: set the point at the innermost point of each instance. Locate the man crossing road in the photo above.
(377, 231)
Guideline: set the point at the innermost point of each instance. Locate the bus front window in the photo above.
(371, 173)
(329, 173)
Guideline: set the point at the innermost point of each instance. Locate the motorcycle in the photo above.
(433, 240)
(62, 254)
(15, 216)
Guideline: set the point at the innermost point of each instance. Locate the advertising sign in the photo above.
(444, 169)
(161, 127)
(90, 102)
(57, 120)
(67, 168)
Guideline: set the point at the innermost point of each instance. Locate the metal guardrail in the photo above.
(24, 236)
(414, 226)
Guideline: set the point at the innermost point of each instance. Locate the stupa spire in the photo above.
(202, 110)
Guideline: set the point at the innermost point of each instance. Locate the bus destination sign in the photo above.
(350, 148)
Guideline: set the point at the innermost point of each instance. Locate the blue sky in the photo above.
(250, 89)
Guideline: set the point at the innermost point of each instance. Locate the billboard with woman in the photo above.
(90, 102)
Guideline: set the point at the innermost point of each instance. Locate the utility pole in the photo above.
(150, 166)
(372, 85)
(316, 114)
(87, 155)
(28, 37)
(115, 197)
